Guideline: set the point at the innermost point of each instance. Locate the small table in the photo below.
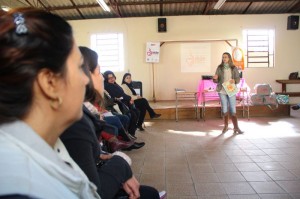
(283, 87)
(183, 94)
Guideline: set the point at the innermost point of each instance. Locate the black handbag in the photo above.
(293, 75)
(123, 108)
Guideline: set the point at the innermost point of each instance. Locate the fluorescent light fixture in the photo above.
(219, 4)
(103, 5)
(5, 8)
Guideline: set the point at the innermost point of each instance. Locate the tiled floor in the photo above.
(193, 160)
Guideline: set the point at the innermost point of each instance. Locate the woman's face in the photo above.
(73, 90)
(128, 79)
(225, 58)
(111, 78)
(98, 79)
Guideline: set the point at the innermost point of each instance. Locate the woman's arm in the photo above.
(236, 75)
(82, 145)
(128, 92)
(82, 153)
(216, 77)
(116, 91)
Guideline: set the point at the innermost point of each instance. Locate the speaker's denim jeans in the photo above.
(228, 101)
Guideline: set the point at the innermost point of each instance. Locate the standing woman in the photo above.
(225, 72)
(141, 103)
(42, 87)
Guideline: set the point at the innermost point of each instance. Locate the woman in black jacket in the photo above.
(126, 103)
(81, 141)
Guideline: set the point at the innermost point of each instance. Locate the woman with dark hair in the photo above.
(227, 72)
(141, 103)
(125, 102)
(42, 88)
(115, 120)
(111, 174)
(97, 90)
(104, 131)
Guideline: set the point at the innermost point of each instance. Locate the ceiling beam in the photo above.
(41, 3)
(73, 7)
(80, 13)
(207, 7)
(191, 1)
(35, 4)
(93, 5)
(295, 8)
(115, 7)
(29, 3)
(161, 8)
(246, 10)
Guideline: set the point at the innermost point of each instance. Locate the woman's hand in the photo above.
(118, 99)
(131, 101)
(215, 77)
(105, 156)
(132, 186)
(232, 81)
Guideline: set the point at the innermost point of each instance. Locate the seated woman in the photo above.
(111, 105)
(111, 121)
(125, 102)
(141, 103)
(111, 174)
(108, 134)
(42, 89)
(119, 120)
(91, 60)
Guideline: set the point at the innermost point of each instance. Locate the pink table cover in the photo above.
(208, 88)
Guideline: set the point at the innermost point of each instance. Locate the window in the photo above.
(110, 51)
(259, 45)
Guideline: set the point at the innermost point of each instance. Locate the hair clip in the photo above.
(20, 24)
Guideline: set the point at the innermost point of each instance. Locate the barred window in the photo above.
(110, 49)
(259, 45)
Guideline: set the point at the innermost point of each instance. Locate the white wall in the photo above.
(138, 31)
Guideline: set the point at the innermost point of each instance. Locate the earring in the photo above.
(55, 103)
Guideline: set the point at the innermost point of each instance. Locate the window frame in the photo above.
(261, 43)
(110, 49)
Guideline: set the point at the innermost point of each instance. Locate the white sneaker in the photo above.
(163, 195)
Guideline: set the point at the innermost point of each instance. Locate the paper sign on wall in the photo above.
(152, 52)
(195, 57)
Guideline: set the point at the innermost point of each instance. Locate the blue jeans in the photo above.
(124, 119)
(228, 101)
(113, 120)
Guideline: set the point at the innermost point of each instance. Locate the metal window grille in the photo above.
(110, 49)
(259, 48)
